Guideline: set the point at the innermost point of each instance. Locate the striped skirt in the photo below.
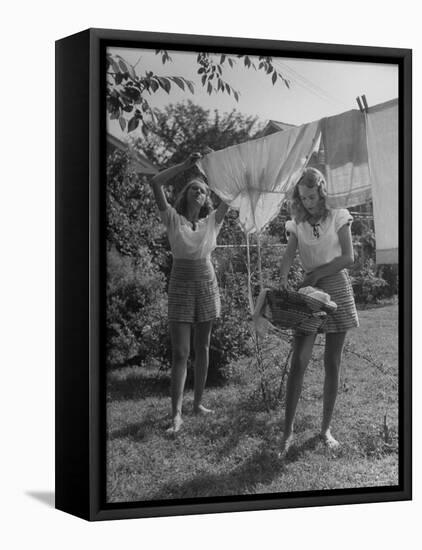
(193, 295)
(339, 287)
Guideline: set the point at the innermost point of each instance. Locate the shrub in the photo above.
(230, 339)
(367, 287)
(371, 282)
(136, 309)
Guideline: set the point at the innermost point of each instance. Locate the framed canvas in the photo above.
(212, 194)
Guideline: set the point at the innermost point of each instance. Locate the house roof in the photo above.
(138, 162)
(276, 126)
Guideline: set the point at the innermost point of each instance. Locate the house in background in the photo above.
(138, 162)
(273, 126)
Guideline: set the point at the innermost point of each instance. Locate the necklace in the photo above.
(315, 229)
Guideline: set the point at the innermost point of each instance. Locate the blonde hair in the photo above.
(181, 206)
(311, 177)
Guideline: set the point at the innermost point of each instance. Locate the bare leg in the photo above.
(302, 351)
(180, 345)
(202, 337)
(334, 344)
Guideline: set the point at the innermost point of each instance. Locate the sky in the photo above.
(317, 88)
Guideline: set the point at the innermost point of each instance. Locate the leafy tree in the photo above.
(185, 127)
(127, 91)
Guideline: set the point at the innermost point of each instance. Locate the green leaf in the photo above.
(179, 82)
(122, 122)
(222, 59)
(164, 83)
(274, 77)
(231, 63)
(204, 79)
(189, 84)
(123, 66)
(133, 124)
(236, 95)
(209, 89)
(131, 72)
(154, 85)
(132, 93)
(115, 66)
(153, 117)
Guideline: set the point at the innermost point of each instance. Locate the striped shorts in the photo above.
(193, 295)
(339, 287)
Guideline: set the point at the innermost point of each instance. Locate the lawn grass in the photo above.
(234, 451)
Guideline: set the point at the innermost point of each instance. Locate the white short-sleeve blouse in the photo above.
(187, 243)
(316, 251)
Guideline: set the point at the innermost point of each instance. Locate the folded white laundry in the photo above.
(317, 294)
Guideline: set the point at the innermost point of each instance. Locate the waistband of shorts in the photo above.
(192, 270)
(338, 276)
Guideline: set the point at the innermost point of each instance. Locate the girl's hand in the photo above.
(283, 283)
(309, 280)
(193, 159)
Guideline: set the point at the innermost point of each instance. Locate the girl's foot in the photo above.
(200, 409)
(177, 424)
(286, 446)
(329, 441)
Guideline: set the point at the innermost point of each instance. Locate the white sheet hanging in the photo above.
(255, 176)
(346, 159)
(383, 153)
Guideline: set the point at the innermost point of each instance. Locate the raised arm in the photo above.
(221, 212)
(164, 177)
(288, 257)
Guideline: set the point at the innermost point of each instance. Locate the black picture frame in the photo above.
(80, 278)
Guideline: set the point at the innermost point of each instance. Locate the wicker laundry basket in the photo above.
(294, 310)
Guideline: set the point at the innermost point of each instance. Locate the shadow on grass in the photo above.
(140, 431)
(137, 386)
(297, 451)
(261, 468)
(135, 432)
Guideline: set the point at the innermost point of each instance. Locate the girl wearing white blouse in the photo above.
(193, 296)
(324, 241)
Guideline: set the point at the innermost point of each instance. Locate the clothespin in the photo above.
(362, 103)
(359, 104)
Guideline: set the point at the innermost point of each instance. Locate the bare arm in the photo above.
(221, 212)
(289, 256)
(164, 177)
(346, 259)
